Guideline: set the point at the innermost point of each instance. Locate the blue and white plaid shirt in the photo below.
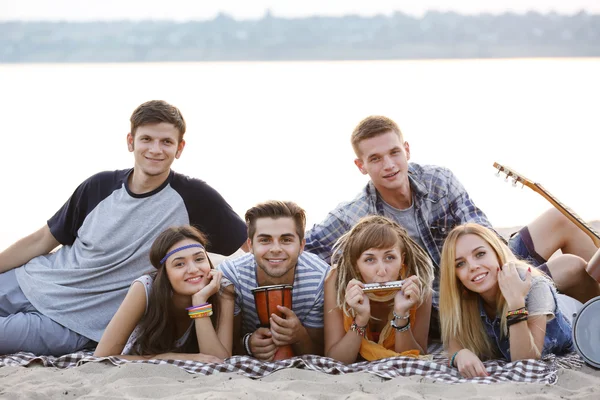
(441, 203)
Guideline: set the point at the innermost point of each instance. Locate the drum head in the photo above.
(586, 332)
(271, 287)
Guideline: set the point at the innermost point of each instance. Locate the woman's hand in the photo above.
(469, 365)
(409, 296)
(513, 288)
(358, 301)
(211, 288)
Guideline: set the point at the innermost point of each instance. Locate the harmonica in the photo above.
(376, 287)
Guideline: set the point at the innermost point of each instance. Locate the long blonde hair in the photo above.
(380, 233)
(460, 316)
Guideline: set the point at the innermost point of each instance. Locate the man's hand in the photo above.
(288, 330)
(262, 345)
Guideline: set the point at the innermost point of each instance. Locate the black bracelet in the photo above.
(512, 321)
(400, 328)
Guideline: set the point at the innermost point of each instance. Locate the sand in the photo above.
(103, 380)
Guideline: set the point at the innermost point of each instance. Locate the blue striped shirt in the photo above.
(307, 291)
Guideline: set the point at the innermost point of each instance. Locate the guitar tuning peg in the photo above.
(497, 173)
(514, 183)
(507, 176)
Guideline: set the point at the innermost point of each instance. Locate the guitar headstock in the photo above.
(514, 176)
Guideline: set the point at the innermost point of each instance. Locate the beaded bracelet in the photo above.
(396, 316)
(518, 311)
(361, 330)
(202, 315)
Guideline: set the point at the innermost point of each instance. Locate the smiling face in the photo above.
(155, 147)
(276, 247)
(188, 269)
(476, 265)
(385, 159)
(380, 265)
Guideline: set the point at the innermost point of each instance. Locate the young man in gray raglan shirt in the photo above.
(60, 302)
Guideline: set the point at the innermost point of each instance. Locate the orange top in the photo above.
(384, 348)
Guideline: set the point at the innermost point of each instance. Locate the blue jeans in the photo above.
(24, 328)
(521, 244)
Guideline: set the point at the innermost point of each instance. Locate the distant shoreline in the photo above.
(399, 36)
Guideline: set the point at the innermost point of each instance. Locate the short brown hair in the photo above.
(372, 126)
(276, 209)
(155, 112)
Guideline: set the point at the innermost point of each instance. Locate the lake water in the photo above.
(260, 131)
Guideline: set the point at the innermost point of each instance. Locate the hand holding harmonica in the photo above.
(384, 286)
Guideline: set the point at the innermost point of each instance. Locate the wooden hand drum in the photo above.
(266, 299)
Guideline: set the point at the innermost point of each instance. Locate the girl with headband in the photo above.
(175, 312)
(378, 324)
(491, 307)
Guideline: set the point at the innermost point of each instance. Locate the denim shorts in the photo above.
(521, 244)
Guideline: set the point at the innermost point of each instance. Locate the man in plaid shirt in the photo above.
(429, 201)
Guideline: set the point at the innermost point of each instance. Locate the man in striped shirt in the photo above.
(276, 241)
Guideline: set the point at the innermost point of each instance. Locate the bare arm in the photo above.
(311, 343)
(40, 242)
(123, 323)
(527, 338)
(208, 340)
(416, 337)
(339, 344)
(467, 362)
(226, 319)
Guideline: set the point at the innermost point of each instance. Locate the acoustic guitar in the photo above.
(566, 211)
(593, 267)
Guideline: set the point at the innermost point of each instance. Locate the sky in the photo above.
(85, 10)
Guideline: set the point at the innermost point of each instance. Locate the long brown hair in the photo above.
(380, 233)
(158, 328)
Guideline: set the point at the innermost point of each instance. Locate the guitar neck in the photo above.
(570, 214)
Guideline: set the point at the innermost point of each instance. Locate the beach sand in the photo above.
(103, 380)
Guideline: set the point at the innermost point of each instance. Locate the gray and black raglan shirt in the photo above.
(106, 232)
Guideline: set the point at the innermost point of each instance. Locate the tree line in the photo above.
(270, 38)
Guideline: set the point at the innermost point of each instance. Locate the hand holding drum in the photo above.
(266, 299)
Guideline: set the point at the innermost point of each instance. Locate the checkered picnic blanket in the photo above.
(434, 366)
